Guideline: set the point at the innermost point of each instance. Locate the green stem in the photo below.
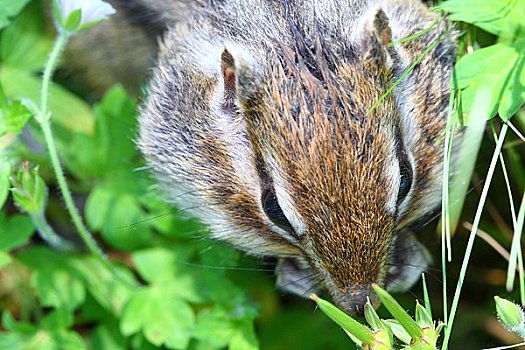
(51, 64)
(48, 234)
(43, 119)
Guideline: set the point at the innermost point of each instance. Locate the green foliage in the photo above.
(150, 297)
(8, 9)
(492, 79)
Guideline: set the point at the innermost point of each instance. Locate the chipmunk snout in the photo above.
(354, 299)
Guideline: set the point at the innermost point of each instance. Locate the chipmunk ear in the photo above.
(377, 40)
(230, 79)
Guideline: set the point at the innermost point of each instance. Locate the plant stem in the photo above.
(48, 234)
(43, 118)
(51, 64)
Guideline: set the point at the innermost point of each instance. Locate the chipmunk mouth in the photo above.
(409, 260)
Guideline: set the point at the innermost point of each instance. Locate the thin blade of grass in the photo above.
(406, 72)
(506, 347)
(516, 247)
(426, 297)
(472, 236)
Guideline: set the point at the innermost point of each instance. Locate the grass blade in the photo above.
(472, 236)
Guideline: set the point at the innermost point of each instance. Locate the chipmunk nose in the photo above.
(354, 299)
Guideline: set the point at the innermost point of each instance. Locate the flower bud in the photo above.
(510, 316)
(29, 190)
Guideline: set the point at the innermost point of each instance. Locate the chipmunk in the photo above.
(277, 124)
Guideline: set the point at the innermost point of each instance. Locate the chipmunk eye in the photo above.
(275, 213)
(405, 183)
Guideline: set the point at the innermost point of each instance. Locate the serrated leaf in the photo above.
(15, 231)
(51, 290)
(162, 319)
(110, 292)
(483, 76)
(110, 150)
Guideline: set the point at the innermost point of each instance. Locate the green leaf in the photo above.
(50, 286)
(25, 44)
(111, 293)
(14, 118)
(69, 111)
(513, 95)
(42, 340)
(350, 325)
(72, 22)
(108, 337)
(110, 150)
(219, 327)
(371, 317)
(114, 212)
(494, 16)
(423, 319)
(15, 231)
(4, 259)
(399, 331)
(426, 297)
(484, 77)
(245, 338)
(57, 319)
(214, 328)
(8, 9)
(5, 172)
(399, 313)
(163, 319)
(160, 264)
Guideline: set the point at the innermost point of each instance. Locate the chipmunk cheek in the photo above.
(409, 260)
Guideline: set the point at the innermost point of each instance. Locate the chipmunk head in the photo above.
(293, 149)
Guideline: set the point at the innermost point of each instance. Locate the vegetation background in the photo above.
(170, 287)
